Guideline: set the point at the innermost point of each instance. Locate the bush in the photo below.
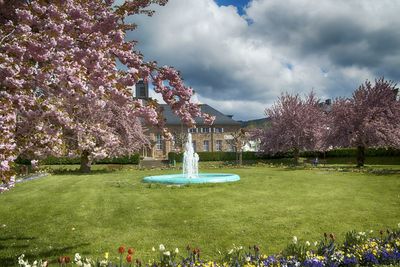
(228, 156)
(248, 156)
(352, 152)
(130, 159)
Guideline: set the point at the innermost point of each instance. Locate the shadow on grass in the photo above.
(43, 254)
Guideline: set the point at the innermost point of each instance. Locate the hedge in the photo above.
(352, 152)
(227, 156)
(130, 159)
(341, 152)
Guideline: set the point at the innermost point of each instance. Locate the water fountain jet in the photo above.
(190, 171)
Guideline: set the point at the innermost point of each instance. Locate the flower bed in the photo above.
(358, 249)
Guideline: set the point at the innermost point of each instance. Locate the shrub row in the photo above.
(341, 152)
(228, 156)
(130, 159)
(352, 152)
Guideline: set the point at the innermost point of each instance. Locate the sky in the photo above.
(239, 56)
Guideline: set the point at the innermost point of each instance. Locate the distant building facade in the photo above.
(208, 138)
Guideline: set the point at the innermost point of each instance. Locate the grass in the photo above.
(91, 214)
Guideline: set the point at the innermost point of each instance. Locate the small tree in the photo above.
(370, 118)
(295, 125)
(238, 140)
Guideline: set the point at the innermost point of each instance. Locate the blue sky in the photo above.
(240, 4)
(294, 46)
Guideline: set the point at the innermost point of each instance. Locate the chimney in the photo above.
(328, 102)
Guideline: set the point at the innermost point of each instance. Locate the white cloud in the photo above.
(240, 68)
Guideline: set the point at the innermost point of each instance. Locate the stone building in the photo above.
(216, 137)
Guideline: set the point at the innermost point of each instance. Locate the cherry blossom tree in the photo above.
(59, 80)
(296, 124)
(370, 118)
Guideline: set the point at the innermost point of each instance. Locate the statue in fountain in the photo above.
(190, 160)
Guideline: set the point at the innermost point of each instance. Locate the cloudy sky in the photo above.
(240, 55)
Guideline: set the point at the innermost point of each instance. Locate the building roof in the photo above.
(220, 118)
(257, 123)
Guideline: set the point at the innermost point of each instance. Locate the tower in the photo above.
(142, 90)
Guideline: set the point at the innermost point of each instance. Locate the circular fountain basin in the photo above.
(201, 179)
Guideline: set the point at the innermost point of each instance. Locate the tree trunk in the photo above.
(360, 156)
(241, 158)
(296, 153)
(85, 162)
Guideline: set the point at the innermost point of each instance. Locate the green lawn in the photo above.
(92, 214)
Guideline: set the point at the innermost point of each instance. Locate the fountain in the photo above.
(190, 171)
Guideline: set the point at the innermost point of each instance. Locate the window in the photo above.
(193, 130)
(194, 146)
(218, 146)
(205, 130)
(218, 130)
(159, 142)
(206, 145)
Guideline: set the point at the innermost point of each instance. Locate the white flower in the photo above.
(230, 251)
(167, 253)
(153, 249)
(398, 225)
(79, 263)
(248, 259)
(87, 265)
(44, 264)
(77, 257)
(294, 240)
(176, 250)
(315, 243)
(371, 231)
(21, 259)
(161, 248)
(308, 243)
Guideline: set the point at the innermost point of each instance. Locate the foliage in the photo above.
(352, 152)
(230, 156)
(370, 118)
(368, 251)
(296, 125)
(132, 159)
(61, 92)
(250, 156)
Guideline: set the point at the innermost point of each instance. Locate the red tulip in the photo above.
(121, 249)
(61, 259)
(131, 251)
(129, 258)
(67, 259)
